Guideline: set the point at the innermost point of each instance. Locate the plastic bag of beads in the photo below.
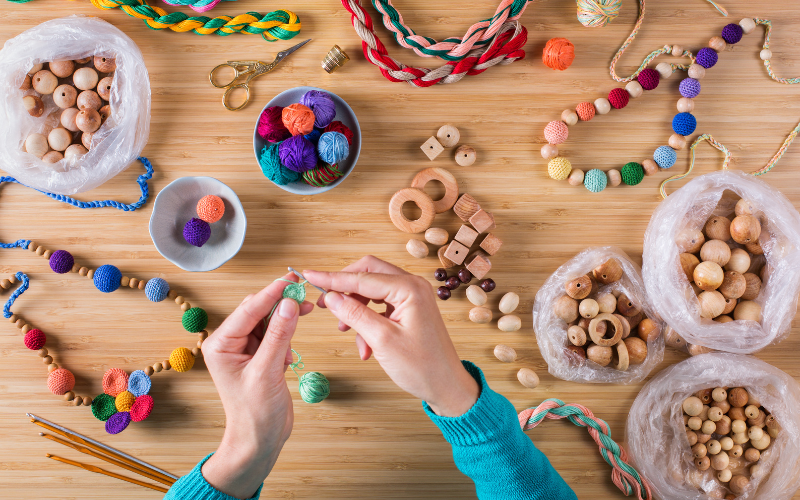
(594, 322)
(706, 217)
(82, 53)
(660, 445)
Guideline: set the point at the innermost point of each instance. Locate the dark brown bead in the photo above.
(452, 282)
(443, 292)
(440, 274)
(465, 276)
(488, 285)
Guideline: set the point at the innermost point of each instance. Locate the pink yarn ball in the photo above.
(556, 132)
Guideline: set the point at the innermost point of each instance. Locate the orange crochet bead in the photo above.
(124, 401)
(585, 111)
(556, 132)
(115, 380)
(210, 208)
(181, 359)
(60, 381)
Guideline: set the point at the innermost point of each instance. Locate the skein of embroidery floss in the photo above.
(558, 54)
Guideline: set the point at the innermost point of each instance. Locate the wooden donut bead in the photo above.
(450, 187)
(718, 228)
(44, 82)
(599, 354)
(599, 338)
(448, 135)
(708, 275)
(576, 335)
(89, 99)
(87, 120)
(65, 96)
(715, 251)
(33, 105)
(104, 87)
(690, 240)
(626, 326)
(621, 357)
(422, 200)
(579, 288)
(566, 308)
(465, 155)
(608, 272)
(85, 78)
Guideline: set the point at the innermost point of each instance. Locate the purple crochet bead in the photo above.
(707, 57)
(196, 232)
(732, 33)
(118, 422)
(298, 153)
(689, 87)
(61, 261)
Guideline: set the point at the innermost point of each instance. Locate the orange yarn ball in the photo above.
(115, 380)
(210, 208)
(60, 381)
(298, 119)
(585, 111)
(558, 53)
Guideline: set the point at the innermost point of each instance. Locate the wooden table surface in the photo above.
(369, 439)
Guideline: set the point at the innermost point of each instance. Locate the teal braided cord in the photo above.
(767, 32)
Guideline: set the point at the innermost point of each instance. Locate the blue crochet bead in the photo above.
(156, 289)
(707, 57)
(139, 383)
(684, 123)
(689, 88)
(107, 278)
(665, 156)
(595, 180)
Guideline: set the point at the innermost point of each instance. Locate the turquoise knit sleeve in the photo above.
(193, 486)
(491, 449)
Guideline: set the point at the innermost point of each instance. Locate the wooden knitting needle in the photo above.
(112, 461)
(98, 470)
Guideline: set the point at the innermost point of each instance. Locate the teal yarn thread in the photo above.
(632, 173)
(314, 387)
(595, 180)
(272, 167)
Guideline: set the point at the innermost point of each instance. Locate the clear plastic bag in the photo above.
(656, 436)
(551, 331)
(690, 207)
(120, 139)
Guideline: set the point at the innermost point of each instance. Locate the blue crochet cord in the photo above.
(19, 291)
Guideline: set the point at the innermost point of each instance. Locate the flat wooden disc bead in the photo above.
(422, 200)
(597, 337)
(448, 135)
(447, 179)
(465, 155)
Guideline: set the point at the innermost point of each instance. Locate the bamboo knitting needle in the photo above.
(112, 461)
(98, 470)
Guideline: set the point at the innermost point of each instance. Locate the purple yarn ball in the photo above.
(732, 33)
(118, 422)
(707, 57)
(61, 261)
(298, 153)
(197, 232)
(689, 87)
(321, 103)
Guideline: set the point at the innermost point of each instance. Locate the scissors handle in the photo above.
(236, 75)
(229, 90)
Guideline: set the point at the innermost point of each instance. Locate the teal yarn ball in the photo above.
(272, 167)
(194, 320)
(665, 156)
(314, 387)
(595, 180)
(632, 173)
(333, 148)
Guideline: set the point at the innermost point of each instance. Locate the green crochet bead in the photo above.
(103, 406)
(632, 173)
(595, 180)
(194, 320)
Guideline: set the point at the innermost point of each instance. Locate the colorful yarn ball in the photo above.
(559, 168)
(585, 111)
(35, 339)
(124, 401)
(707, 57)
(333, 148)
(648, 78)
(298, 119)
(156, 289)
(314, 387)
(107, 278)
(270, 125)
(60, 381)
(115, 380)
(118, 422)
(139, 383)
(732, 33)
(558, 54)
(103, 406)
(665, 156)
(314, 136)
(181, 359)
(196, 232)
(337, 126)
(596, 13)
(689, 87)
(632, 173)
(556, 132)
(195, 320)
(321, 103)
(684, 123)
(618, 98)
(210, 208)
(323, 175)
(298, 154)
(270, 162)
(141, 408)
(595, 180)
(61, 261)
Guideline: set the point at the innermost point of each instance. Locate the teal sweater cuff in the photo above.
(195, 487)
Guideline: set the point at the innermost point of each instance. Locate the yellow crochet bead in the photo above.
(181, 359)
(124, 401)
(559, 168)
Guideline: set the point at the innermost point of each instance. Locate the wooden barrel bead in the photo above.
(185, 306)
(47, 254)
(40, 251)
(83, 271)
(32, 246)
(25, 328)
(125, 281)
(196, 352)
(133, 283)
(149, 371)
(158, 367)
(90, 274)
(51, 367)
(179, 299)
(47, 360)
(77, 401)
(69, 396)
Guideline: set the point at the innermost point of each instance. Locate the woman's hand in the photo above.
(409, 340)
(248, 365)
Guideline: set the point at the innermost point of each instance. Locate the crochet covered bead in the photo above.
(107, 278)
(118, 422)
(665, 156)
(684, 123)
(595, 180)
(156, 289)
(618, 98)
(115, 380)
(61, 261)
(124, 401)
(196, 232)
(707, 57)
(585, 111)
(194, 320)
(556, 132)
(103, 406)
(559, 168)
(141, 408)
(689, 88)
(632, 173)
(648, 78)
(139, 383)
(210, 208)
(35, 339)
(181, 359)
(60, 381)
(732, 33)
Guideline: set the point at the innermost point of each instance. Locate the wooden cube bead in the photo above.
(446, 263)
(466, 207)
(456, 252)
(432, 148)
(466, 235)
(482, 221)
(491, 244)
(479, 265)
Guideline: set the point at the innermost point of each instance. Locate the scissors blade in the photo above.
(282, 54)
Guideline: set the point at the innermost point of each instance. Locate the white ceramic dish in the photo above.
(176, 204)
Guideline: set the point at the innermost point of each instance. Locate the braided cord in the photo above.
(196, 5)
(624, 476)
(19, 291)
(767, 32)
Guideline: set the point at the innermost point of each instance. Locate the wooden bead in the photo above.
(745, 229)
(712, 303)
(68, 119)
(454, 252)
(32, 246)
(724, 426)
(576, 351)
(755, 433)
(650, 166)
(566, 308)
(437, 236)
(44, 82)
(196, 352)
(648, 330)
(465, 155)
(708, 276)
(51, 367)
(599, 354)
(491, 244)
(83, 271)
(699, 450)
(718, 228)
(62, 69)
(47, 360)
(664, 70)
(19, 323)
(509, 303)
(685, 105)
(696, 71)
(90, 274)
(716, 251)
(476, 295)
(87, 120)
(715, 415)
(714, 447)
(528, 378)
(738, 484)
(719, 394)
(702, 463)
(607, 302)
(608, 272)
(626, 326)
(447, 179)
(505, 354)
(166, 364)
(5, 284)
(105, 64)
(576, 177)
(74, 151)
(692, 406)
(717, 43)
(69, 396)
(739, 261)
(576, 335)
(677, 50)
(185, 306)
(85, 78)
(89, 99)
(599, 338)
(637, 350)
(40, 251)
(708, 427)
(25, 328)
(466, 207)
(738, 397)
(614, 177)
(77, 401)
(579, 288)
(691, 436)
(446, 263)
(27, 84)
(549, 151)
(509, 323)
(199, 344)
(417, 248)
(172, 295)
(480, 315)
(87, 401)
(754, 248)
(448, 135)
(59, 139)
(42, 352)
(479, 265)
(720, 461)
(482, 221)
(157, 367)
(695, 423)
(36, 144)
(688, 263)
(149, 370)
(422, 200)
(677, 142)
(726, 443)
(588, 308)
(47, 254)
(627, 307)
(752, 455)
(52, 157)
(747, 310)
(765, 54)
(621, 356)
(634, 89)
(569, 117)
(733, 286)
(203, 335)
(179, 300)
(104, 88)
(602, 106)
(466, 235)
(13, 318)
(65, 96)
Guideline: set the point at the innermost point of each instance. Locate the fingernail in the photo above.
(333, 300)
(288, 309)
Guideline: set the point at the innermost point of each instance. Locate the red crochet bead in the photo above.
(618, 98)
(35, 339)
(585, 111)
(648, 78)
(141, 408)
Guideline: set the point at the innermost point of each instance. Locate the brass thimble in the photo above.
(335, 58)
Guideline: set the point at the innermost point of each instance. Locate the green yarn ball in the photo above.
(595, 180)
(103, 406)
(632, 173)
(194, 320)
(272, 167)
(314, 387)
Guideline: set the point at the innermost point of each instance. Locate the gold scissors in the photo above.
(250, 69)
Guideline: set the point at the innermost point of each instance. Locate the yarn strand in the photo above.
(767, 32)
(25, 282)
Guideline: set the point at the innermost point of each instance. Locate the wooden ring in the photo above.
(599, 339)
(445, 177)
(626, 325)
(623, 358)
(422, 200)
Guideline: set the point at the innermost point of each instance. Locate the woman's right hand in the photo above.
(409, 340)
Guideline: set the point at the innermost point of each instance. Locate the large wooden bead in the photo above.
(599, 354)
(685, 105)
(738, 398)
(708, 275)
(549, 151)
(85, 78)
(717, 43)
(718, 228)
(59, 139)
(753, 286)
(417, 248)
(740, 261)
(637, 350)
(569, 117)
(87, 120)
(528, 378)
(465, 155)
(576, 177)
(65, 96)
(89, 99)
(627, 307)
(716, 251)
(104, 88)
(634, 89)
(608, 272)
(105, 64)
(745, 229)
(614, 177)
(576, 335)
(677, 142)
(733, 285)
(696, 71)
(588, 308)
(36, 144)
(648, 330)
(44, 82)
(607, 302)
(688, 263)
(747, 310)
(33, 105)
(602, 105)
(504, 353)
(720, 461)
(650, 166)
(437, 236)
(62, 69)
(75, 151)
(68, 119)
(664, 70)
(509, 323)
(712, 303)
(566, 308)
(580, 287)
